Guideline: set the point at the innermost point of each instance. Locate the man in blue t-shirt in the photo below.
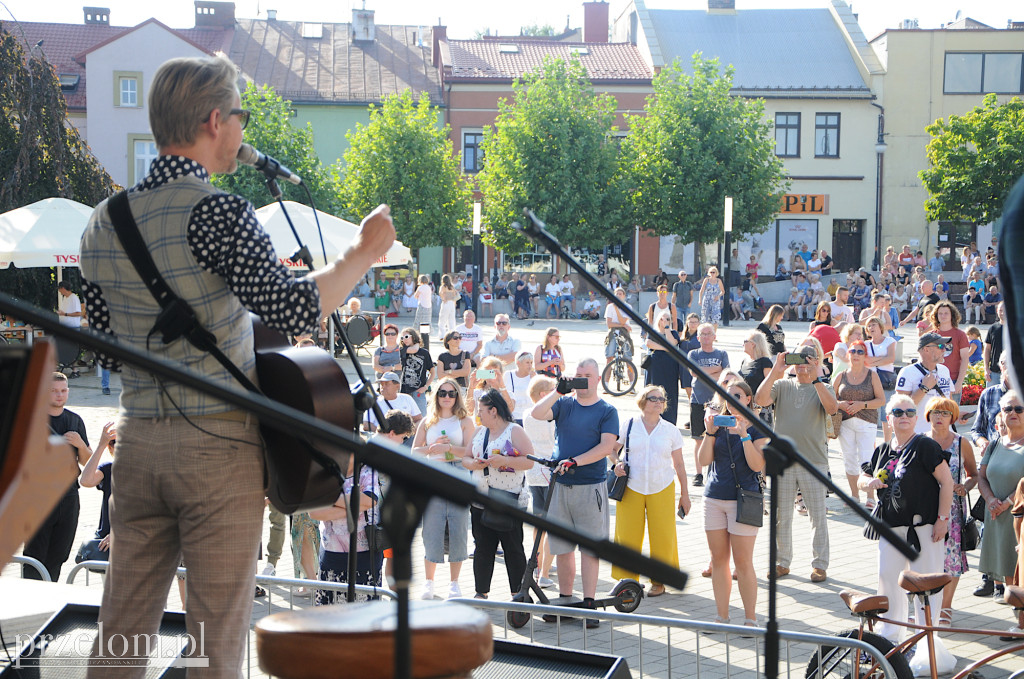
(712, 361)
(586, 429)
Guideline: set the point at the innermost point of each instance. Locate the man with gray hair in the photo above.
(503, 346)
(586, 430)
(189, 469)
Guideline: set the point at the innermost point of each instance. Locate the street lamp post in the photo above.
(725, 260)
(477, 258)
(880, 147)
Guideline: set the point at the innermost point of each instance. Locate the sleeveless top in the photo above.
(452, 427)
(547, 355)
(847, 391)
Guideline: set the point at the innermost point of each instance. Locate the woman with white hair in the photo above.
(915, 495)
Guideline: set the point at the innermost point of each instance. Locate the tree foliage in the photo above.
(551, 149)
(41, 155)
(695, 146)
(403, 158)
(271, 131)
(536, 30)
(974, 160)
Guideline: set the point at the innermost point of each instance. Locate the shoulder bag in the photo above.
(979, 508)
(970, 536)
(834, 422)
(617, 484)
(749, 503)
(497, 520)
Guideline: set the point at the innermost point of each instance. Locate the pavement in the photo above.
(802, 606)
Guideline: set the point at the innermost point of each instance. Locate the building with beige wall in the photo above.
(932, 74)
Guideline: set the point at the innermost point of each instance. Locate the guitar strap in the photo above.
(177, 319)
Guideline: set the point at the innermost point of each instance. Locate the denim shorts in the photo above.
(438, 513)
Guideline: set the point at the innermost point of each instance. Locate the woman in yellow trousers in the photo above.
(650, 453)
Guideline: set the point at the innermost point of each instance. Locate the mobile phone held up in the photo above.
(725, 421)
(485, 374)
(796, 359)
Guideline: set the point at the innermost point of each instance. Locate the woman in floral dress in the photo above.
(712, 291)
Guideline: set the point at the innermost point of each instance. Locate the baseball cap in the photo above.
(930, 338)
(389, 376)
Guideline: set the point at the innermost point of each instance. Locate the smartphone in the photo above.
(485, 374)
(579, 383)
(796, 359)
(681, 513)
(725, 421)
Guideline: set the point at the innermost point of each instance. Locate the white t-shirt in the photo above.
(911, 376)
(591, 304)
(552, 289)
(70, 305)
(881, 350)
(841, 313)
(650, 455)
(403, 402)
(519, 387)
(425, 296)
(612, 312)
(470, 337)
(566, 287)
(542, 436)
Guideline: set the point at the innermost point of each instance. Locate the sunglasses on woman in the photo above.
(390, 334)
(447, 393)
(657, 399)
(1013, 409)
(860, 352)
(901, 412)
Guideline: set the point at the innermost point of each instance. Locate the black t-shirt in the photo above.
(776, 338)
(752, 371)
(911, 485)
(62, 424)
(455, 362)
(994, 336)
(415, 368)
(826, 266)
(105, 486)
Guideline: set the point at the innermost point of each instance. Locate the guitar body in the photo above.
(306, 379)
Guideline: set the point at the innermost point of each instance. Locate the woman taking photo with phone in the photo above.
(733, 453)
(490, 375)
(650, 453)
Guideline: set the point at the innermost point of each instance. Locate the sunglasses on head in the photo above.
(447, 393)
(901, 412)
(1013, 409)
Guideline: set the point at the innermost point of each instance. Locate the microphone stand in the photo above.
(414, 480)
(780, 453)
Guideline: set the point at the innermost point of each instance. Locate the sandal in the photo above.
(945, 618)
(706, 573)
(801, 508)
(869, 504)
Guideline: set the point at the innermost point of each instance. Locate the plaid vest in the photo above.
(163, 215)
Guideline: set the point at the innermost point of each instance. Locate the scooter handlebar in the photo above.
(546, 461)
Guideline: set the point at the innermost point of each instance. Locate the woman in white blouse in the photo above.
(652, 449)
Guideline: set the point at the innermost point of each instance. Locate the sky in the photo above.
(464, 17)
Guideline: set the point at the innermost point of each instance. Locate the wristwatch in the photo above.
(818, 380)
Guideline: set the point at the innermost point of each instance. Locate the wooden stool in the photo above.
(357, 640)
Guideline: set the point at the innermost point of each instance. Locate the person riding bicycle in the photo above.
(618, 326)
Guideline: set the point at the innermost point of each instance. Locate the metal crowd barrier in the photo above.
(34, 563)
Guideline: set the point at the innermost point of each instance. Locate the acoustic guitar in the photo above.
(309, 380)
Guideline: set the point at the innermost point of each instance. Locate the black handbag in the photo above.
(90, 551)
(645, 362)
(376, 537)
(749, 503)
(617, 484)
(980, 507)
(970, 536)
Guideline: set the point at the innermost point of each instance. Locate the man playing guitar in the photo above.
(188, 478)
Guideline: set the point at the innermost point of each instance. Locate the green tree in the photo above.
(551, 149)
(536, 30)
(973, 161)
(405, 159)
(271, 131)
(41, 156)
(694, 146)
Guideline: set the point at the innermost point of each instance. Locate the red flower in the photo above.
(970, 395)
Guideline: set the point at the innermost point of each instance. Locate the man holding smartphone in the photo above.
(801, 406)
(586, 432)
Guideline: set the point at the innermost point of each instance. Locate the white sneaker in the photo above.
(454, 591)
(546, 583)
(269, 570)
(428, 590)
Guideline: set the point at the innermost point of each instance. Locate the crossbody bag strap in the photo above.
(629, 428)
(483, 449)
(176, 318)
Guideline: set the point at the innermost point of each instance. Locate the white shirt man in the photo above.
(69, 307)
(392, 399)
(469, 331)
(841, 313)
(926, 379)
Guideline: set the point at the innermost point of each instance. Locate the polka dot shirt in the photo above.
(228, 241)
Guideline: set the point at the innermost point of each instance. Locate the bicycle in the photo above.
(831, 661)
(620, 375)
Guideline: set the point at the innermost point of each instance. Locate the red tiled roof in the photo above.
(334, 68)
(484, 60)
(65, 46)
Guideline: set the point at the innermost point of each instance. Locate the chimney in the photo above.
(271, 15)
(97, 16)
(362, 25)
(595, 22)
(439, 34)
(721, 6)
(210, 14)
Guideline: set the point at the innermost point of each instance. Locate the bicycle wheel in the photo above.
(619, 377)
(837, 661)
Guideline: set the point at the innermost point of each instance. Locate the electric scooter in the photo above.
(625, 596)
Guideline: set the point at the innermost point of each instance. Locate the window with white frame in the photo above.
(145, 153)
(127, 89)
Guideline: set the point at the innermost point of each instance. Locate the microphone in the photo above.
(247, 155)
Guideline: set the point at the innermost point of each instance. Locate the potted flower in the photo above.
(974, 384)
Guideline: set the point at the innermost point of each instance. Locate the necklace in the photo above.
(900, 448)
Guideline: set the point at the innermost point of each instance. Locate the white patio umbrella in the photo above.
(43, 234)
(338, 235)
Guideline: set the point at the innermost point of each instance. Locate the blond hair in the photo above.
(459, 409)
(184, 92)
